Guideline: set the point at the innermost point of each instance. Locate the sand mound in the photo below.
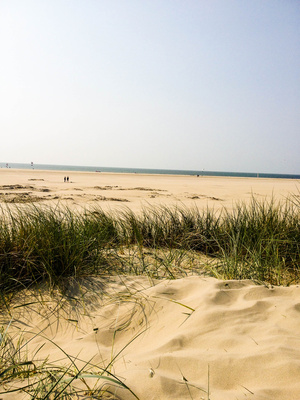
(191, 338)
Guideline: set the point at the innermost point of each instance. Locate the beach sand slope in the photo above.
(191, 338)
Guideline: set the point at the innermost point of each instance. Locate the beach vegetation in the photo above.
(42, 379)
(259, 241)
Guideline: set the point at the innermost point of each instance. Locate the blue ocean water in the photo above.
(145, 171)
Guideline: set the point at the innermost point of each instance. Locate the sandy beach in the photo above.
(195, 337)
(135, 191)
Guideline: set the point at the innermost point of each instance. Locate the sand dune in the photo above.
(184, 338)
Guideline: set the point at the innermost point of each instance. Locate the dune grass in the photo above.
(44, 380)
(54, 246)
(258, 241)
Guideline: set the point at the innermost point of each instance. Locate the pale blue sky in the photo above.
(176, 84)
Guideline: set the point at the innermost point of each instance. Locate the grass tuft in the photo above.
(258, 241)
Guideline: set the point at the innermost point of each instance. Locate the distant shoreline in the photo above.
(52, 167)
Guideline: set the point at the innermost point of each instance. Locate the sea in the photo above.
(53, 167)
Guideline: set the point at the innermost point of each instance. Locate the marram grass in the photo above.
(258, 241)
(44, 380)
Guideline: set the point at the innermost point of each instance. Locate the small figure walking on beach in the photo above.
(67, 179)
(64, 179)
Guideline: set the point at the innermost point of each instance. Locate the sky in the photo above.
(166, 84)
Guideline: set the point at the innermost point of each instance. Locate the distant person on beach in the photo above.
(67, 179)
(64, 179)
